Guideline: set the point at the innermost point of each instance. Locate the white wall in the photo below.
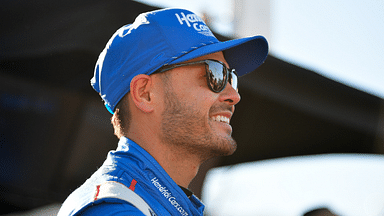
(252, 17)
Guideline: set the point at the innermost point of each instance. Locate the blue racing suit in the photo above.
(135, 168)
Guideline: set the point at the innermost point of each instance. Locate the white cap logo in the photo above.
(197, 23)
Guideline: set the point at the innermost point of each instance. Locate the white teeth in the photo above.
(221, 119)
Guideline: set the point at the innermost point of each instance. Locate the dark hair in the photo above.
(121, 117)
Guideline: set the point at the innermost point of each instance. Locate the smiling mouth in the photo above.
(220, 118)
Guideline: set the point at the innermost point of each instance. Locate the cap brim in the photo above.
(244, 54)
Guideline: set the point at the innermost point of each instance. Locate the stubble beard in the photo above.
(186, 129)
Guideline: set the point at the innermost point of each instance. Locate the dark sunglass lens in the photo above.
(217, 76)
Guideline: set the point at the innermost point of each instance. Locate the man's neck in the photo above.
(180, 165)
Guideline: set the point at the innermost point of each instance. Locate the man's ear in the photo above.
(141, 86)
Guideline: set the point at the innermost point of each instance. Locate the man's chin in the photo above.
(226, 147)
(231, 150)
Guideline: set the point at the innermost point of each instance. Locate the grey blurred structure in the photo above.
(323, 184)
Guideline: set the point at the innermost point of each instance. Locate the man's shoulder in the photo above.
(111, 209)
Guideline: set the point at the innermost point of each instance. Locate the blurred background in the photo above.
(319, 94)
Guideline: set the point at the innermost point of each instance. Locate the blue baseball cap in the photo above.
(165, 37)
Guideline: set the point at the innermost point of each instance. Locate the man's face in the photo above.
(194, 117)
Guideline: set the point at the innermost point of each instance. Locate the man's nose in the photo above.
(230, 95)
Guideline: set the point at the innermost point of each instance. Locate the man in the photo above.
(166, 80)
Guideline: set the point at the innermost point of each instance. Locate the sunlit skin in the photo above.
(173, 118)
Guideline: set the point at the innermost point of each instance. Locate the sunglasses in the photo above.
(217, 74)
